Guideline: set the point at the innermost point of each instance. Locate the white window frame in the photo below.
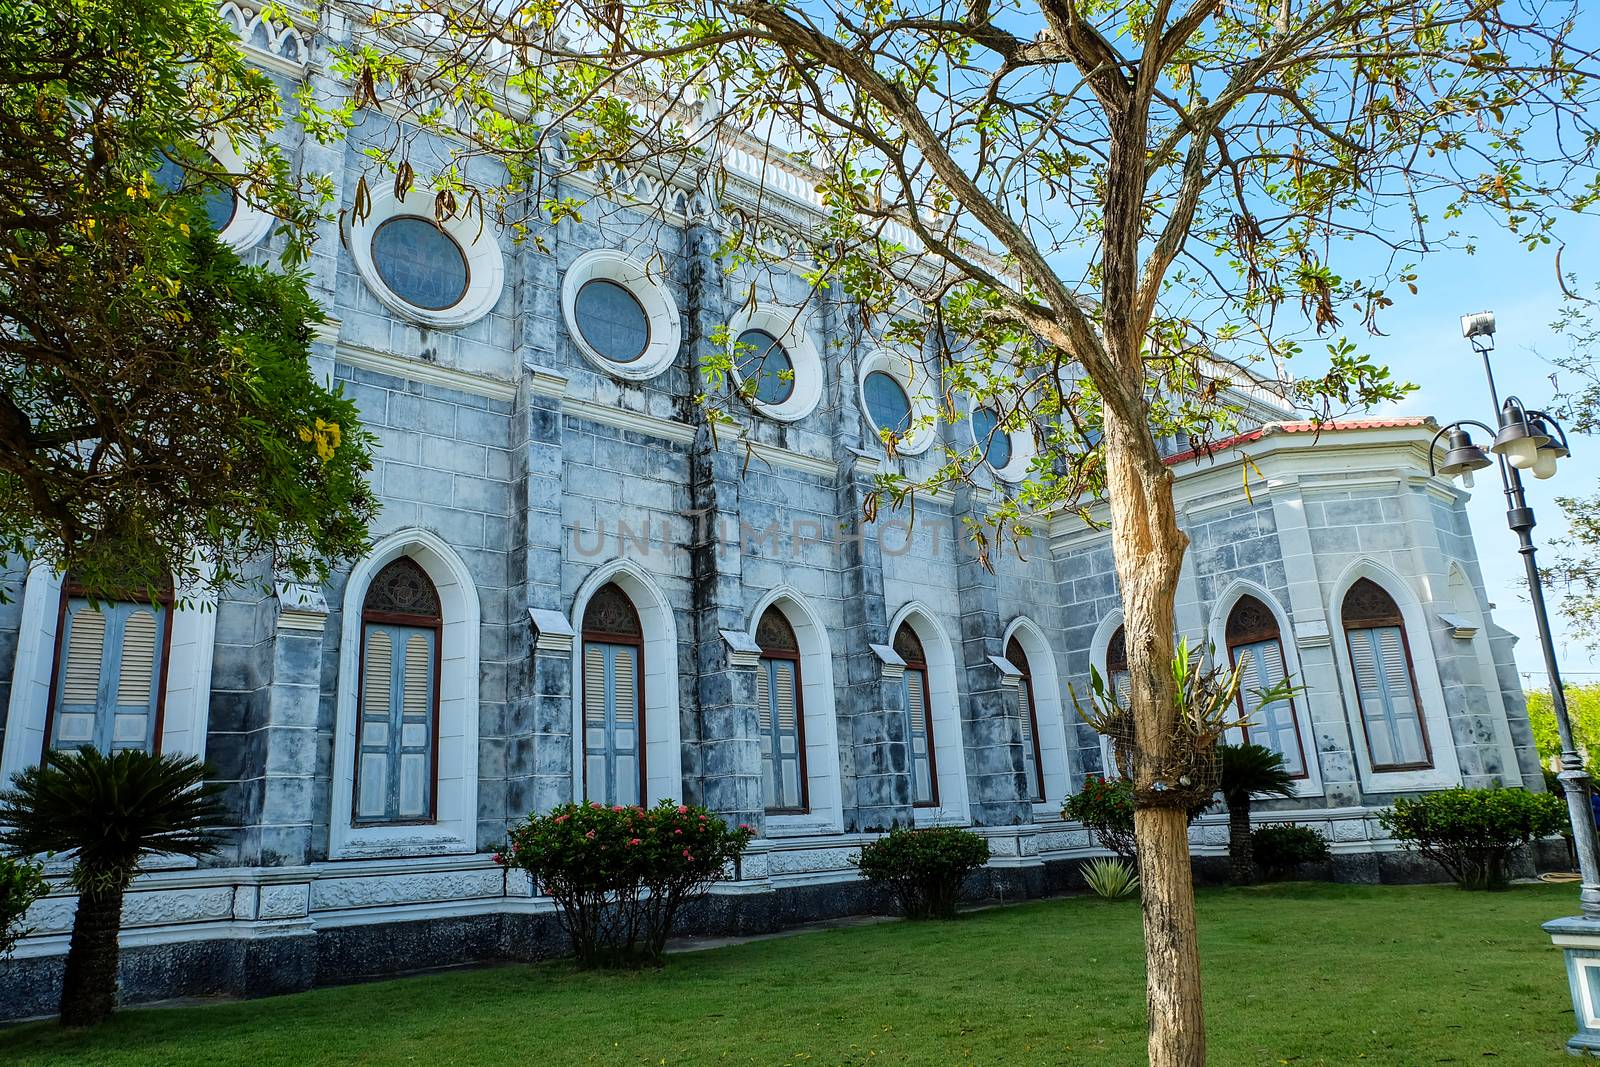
(920, 391)
(185, 714)
(1048, 713)
(821, 730)
(663, 744)
(1311, 785)
(1446, 769)
(475, 237)
(944, 700)
(666, 332)
(791, 327)
(454, 828)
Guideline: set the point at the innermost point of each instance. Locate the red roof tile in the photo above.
(1305, 426)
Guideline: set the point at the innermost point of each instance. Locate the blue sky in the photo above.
(1424, 346)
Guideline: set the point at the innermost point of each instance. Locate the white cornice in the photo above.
(417, 370)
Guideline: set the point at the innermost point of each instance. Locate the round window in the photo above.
(220, 203)
(612, 320)
(995, 442)
(765, 362)
(420, 263)
(887, 402)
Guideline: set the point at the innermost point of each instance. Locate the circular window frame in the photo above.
(1023, 447)
(790, 326)
(249, 224)
(466, 261)
(661, 311)
(924, 410)
(486, 269)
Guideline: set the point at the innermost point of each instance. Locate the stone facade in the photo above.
(522, 477)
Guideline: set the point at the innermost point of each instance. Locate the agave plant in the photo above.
(1249, 771)
(110, 812)
(1110, 878)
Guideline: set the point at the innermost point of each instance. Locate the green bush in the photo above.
(1280, 848)
(21, 883)
(924, 869)
(621, 876)
(1105, 806)
(1471, 832)
(1110, 878)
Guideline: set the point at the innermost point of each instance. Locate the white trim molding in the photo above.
(919, 391)
(944, 699)
(1047, 709)
(663, 746)
(822, 730)
(666, 332)
(1446, 769)
(186, 703)
(791, 327)
(1217, 635)
(486, 268)
(454, 829)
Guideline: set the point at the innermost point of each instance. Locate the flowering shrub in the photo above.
(620, 876)
(1105, 806)
(924, 869)
(21, 883)
(1280, 848)
(1471, 832)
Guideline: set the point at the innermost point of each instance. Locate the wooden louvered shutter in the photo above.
(133, 714)
(769, 748)
(782, 726)
(595, 732)
(78, 687)
(923, 788)
(1030, 764)
(1387, 696)
(377, 692)
(625, 724)
(415, 749)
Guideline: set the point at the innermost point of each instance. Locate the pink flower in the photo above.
(686, 855)
(560, 818)
(633, 841)
(590, 835)
(683, 809)
(497, 858)
(616, 807)
(678, 832)
(596, 804)
(745, 827)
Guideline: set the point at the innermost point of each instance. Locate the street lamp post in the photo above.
(1534, 441)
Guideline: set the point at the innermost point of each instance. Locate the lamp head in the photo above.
(1519, 438)
(1462, 456)
(1478, 327)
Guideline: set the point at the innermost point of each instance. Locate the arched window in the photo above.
(613, 699)
(1032, 761)
(1117, 674)
(1256, 647)
(398, 717)
(781, 717)
(1391, 712)
(110, 670)
(919, 719)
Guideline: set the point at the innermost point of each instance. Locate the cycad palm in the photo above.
(111, 811)
(1249, 771)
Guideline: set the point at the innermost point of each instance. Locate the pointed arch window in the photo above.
(1255, 647)
(1032, 760)
(781, 717)
(109, 678)
(1117, 675)
(397, 722)
(613, 699)
(919, 718)
(1386, 688)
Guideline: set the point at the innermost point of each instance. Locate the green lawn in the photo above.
(1299, 974)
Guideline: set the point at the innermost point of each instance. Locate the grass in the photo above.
(1297, 974)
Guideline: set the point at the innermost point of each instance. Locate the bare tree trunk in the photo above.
(1241, 851)
(1148, 548)
(89, 988)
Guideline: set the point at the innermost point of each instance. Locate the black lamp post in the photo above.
(1534, 441)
